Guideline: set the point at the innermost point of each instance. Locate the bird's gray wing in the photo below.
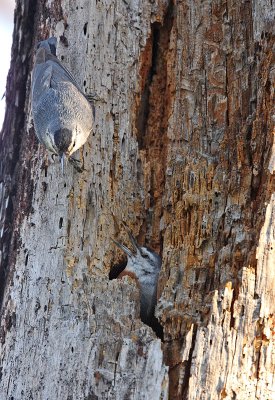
(59, 71)
(44, 59)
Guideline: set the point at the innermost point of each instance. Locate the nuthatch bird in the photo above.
(62, 115)
(144, 266)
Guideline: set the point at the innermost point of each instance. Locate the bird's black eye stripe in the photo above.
(146, 272)
(144, 254)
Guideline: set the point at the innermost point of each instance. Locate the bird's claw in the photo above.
(78, 166)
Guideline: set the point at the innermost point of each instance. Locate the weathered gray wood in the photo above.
(182, 151)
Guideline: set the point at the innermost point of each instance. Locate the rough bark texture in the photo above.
(182, 151)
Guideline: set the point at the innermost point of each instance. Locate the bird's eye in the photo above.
(74, 144)
(147, 272)
(144, 254)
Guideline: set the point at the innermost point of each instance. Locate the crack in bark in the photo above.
(187, 373)
(154, 58)
(152, 115)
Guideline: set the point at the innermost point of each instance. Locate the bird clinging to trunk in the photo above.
(63, 117)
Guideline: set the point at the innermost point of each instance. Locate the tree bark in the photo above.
(182, 152)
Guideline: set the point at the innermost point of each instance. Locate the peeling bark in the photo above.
(182, 152)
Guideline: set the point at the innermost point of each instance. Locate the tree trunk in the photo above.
(182, 152)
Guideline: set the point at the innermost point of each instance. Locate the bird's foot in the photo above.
(77, 164)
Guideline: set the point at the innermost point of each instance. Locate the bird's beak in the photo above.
(124, 248)
(133, 240)
(62, 161)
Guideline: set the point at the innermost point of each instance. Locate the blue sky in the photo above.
(6, 29)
